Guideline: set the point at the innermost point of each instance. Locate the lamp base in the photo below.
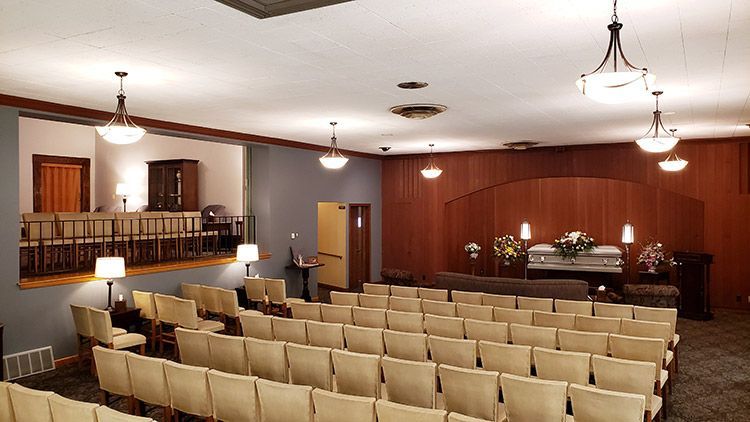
(109, 307)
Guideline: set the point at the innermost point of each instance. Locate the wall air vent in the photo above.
(418, 111)
(263, 9)
(28, 363)
(520, 145)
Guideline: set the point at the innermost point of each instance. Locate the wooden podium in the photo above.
(693, 280)
(305, 269)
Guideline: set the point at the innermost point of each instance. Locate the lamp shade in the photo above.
(110, 267)
(525, 230)
(628, 233)
(122, 189)
(247, 253)
(660, 144)
(616, 87)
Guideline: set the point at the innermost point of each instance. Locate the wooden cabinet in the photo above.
(693, 278)
(173, 185)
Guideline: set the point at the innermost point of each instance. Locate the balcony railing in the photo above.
(70, 243)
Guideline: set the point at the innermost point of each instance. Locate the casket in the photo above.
(603, 259)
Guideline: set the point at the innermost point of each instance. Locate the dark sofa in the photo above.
(558, 289)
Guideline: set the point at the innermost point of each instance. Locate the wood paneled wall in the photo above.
(593, 188)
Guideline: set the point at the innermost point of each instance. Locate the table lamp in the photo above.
(123, 190)
(628, 237)
(247, 253)
(110, 268)
(525, 236)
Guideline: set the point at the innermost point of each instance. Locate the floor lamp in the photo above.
(628, 237)
(525, 236)
(108, 269)
(247, 254)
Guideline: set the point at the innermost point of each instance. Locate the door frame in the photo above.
(367, 246)
(85, 163)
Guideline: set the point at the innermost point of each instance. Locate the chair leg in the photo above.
(167, 413)
(131, 405)
(103, 397)
(676, 359)
(142, 349)
(153, 335)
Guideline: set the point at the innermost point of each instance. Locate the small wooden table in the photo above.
(129, 319)
(305, 269)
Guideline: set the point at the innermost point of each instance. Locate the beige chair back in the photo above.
(335, 407)
(376, 289)
(146, 302)
(436, 325)
(556, 365)
(411, 383)
(310, 365)
(112, 370)
(186, 313)
(471, 298)
(533, 400)
(479, 312)
(30, 405)
(513, 316)
(598, 324)
(6, 408)
(555, 320)
(364, 340)
(534, 336)
(193, 292)
(408, 346)
(648, 329)
(325, 334)
(257, 325)
(189, 389)
(410, 322)
(306, 310)
(388, 411)
(101, 322)
(67, 410)
(276, 290)
(613, 310)
(148, 379)
(535, 303)
(356, 373)
(193, 347)
(625, 376)
(454, 352)
(233, 397)
(39, 225)
(82, 320)
(506, 358)
(499, 301)
(165, 308)
(267, 359)
(104, 413)
(101, 224)
(373, 301)
(583, 341)
(255, 288)
(344, 298)
(594, 404)
(229, 304)
(405, 304)
(470, 392)
(405, 291)
(496, 332)
(638, 348)
(280, 402)
(457, 417)
(290, 330)
(441, 308)
(370, 317)
(227, 353)
(341, 314)
(578, 307)
(211, 299)
(437, 295)
(668, 315)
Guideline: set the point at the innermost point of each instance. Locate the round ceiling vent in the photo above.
(412, 85)
(520, 145)
(418, 111)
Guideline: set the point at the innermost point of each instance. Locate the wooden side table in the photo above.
(129, 319)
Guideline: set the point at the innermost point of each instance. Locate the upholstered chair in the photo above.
(583, 341)
(471, 298)
(306, 310)
(644, 350)
(146, 302)
(85, 331)
(405, 304)
(556, 365)
(166, 313)
(149, 382)
(193, 347)
(373, 301)
(187, 317)
(211, 301)
(344, 298)
(405, 291)
(369, 317)
(593, 404)
(435, 307)
(227, 353)
(534, 336)
(513, 316)
(496, 332)
(411, 383)
(437, 295)
(554, 320)
(376, 289)
(30, 405)
(577, 307)
(341, 314)
(452, 327)
(310, 365)
(506, 358)
(290, 330)
(408, 346)
(281, 402)
(6, 408)
(388, 411)
(103, 332)
(471, 392)
(276, 291)
(457, 417)
(335, 407)
(67, 410)
(596, 324)
(356, 373)
(532, 400)
(189, 390)
(325, 334)
(668, 315)
(104, 413)
(454, 352)
(480, 312)
(650, 329)
(499, 301)
(256, 325)
(613, 310)
(255, 288)
(114, 376)
(364, 340)
(230, 310)
(628, 376)
(267, 359)
(536, 303)
(193, 292)
(233, 396)
(409, 322)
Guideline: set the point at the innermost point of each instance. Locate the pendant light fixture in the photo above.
(673, 162)
(658, 140)
(431, 171)
(625, 82)
(333, 158)
(121, 129)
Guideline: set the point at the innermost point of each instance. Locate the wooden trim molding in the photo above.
(59, 280)
(98, 116)
(39, 159)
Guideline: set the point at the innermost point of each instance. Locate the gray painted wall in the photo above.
(287, 184)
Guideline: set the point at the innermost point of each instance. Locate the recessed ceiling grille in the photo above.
(263, 9)
(412, 85)
(418, 111)
(520, 145)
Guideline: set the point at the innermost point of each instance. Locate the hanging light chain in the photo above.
(614, 12)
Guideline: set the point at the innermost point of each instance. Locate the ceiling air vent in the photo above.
(263, 9)
(412, 85)
(520, 145)
(418, 111)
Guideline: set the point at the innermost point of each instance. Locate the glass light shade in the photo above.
(110, 267)
(616, 87)
(247, 253)
(628, 234)
(331, 161)
(660, 144)
(122, 189)
(673, 164)
(120, 134)
(525, 230)
(431, 171)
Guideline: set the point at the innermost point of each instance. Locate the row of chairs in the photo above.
(19, 403)
(269, 397)
(94, 326)
(268, 294)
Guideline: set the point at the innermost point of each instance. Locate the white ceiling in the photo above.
(505, 69)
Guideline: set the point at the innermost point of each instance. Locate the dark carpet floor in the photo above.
(713, 383)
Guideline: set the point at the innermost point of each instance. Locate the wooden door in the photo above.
(359, 245)
(61, 184)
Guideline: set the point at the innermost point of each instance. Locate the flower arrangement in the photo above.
(508, 248)
(472, 248)
(571, 244)
(653, 255)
